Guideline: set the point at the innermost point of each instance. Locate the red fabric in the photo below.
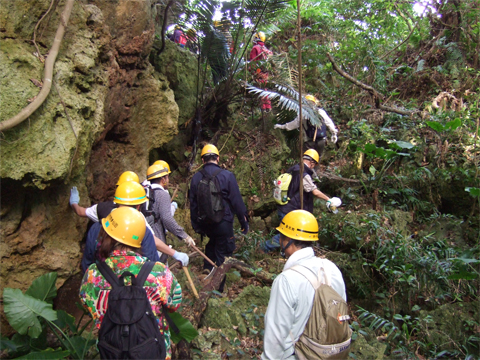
(260, 52)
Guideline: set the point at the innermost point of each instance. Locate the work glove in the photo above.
(277, 126)
(175, 205)
(74, 196)
(333, 204)
(245, 228)
(182, 257)
(189, 241)
(334, 138)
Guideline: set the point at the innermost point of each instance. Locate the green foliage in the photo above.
(185, 327)
(31, 313)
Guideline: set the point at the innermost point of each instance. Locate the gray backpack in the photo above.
(327, 334)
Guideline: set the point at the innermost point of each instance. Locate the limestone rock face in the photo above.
(106, 111)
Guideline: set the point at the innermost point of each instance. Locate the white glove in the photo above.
(74, 196)
(182, 257)
(333, 204)
(334, 138)
(175, 205)
(189, 241)
(278, 126)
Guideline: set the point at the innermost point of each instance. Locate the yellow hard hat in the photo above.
(126, 225)
(128, 176)
(299, 225)
(311, 98)
(177, 27)
(164, 164)
(130, 193)
(259, 36)
(312, 154)
(191, 32)
(209, 149)
(217, 24)
(157, 171)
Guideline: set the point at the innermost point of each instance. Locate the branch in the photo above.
(370, 89)
(406, 39)
(47, 81)
(164, 25)
(350, 78)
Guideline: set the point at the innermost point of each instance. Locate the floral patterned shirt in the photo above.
(161, 286)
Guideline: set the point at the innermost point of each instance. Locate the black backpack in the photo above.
(147, 207)
(129, 328)
(209, 199)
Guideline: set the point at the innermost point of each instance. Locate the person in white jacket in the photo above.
(315, 137)
(292, 294)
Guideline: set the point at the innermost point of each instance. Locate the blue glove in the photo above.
(175, 205)
(182, 257)
(74, 196)
(245, 228)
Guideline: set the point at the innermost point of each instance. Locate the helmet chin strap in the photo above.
(283, 249)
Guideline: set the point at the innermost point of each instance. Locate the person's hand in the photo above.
(175, 205)
(182, 257)
(74, 196)
(334, 138)
(277, 126)
(189, 241)
(333, 204)
(245, 228)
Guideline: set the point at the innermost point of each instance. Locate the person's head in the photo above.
(259, 36)
(131, 194)
(298, 230)
(225, 23)
(312, 98)
(128, 176)
(311, 158)
(158, 173)
(123, 229)
(178, 27)
(210, 154)
(191, 33)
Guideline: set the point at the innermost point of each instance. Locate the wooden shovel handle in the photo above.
(204, 256)
(190, 282)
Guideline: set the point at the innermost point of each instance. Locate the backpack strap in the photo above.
(108, 274)
(143, 273)
(140, 280)
(315, 281)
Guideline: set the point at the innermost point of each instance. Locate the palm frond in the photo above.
(286, 99)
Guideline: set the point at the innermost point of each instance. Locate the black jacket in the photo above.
(294, 193)
(232, 199)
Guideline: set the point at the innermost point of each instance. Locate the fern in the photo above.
(376, 322)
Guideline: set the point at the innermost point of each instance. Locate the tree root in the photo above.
(47, 81)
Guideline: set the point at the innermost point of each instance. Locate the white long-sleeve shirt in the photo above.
(291, 302)
(295, 124)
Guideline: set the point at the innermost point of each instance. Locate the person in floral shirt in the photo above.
(121, 235)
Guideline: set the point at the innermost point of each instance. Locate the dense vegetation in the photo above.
(402, 82)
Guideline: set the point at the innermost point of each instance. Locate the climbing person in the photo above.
(214, 201)
(224, 27)
(127, 194)
(215, 49)
(179, 36)
(314, 137)
(310, 190)
(192, 41)
(292, 295)
(260, 52)
(146, 184)
(121, 236)
(158, 175)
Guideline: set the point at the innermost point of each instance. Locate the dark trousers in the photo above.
(220, 245)
(318, 144)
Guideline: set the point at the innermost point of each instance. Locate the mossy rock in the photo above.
(371, 350)
(446, 326)
(242, 316)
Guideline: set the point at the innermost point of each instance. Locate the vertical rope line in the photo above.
(300, 100)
